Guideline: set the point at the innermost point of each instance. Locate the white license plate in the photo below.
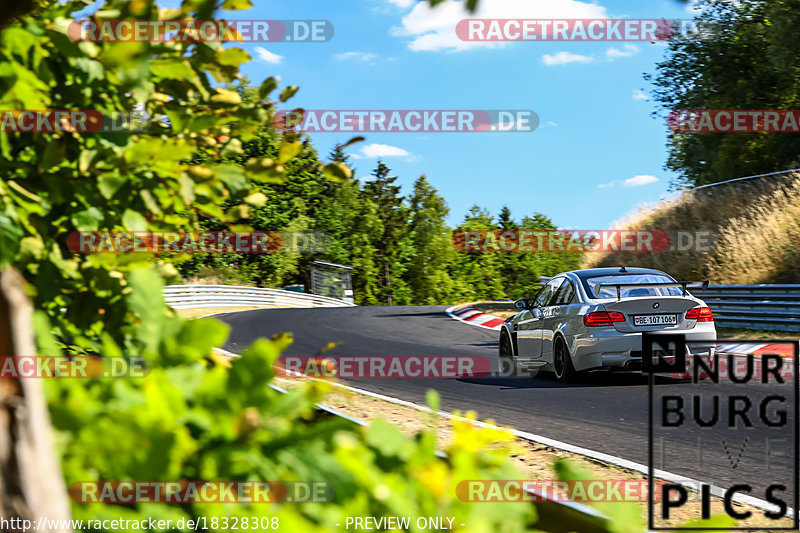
(655, 320)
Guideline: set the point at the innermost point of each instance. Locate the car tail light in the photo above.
(701, 314)
(602, 318)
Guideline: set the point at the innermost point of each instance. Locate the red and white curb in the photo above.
(784, 349)
(469, 315)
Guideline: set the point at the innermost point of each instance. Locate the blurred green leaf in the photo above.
(88, 219)
(288, 151)
(354, 140)
(108, 185)
(134, 221)
(715, 523)
(146, 302)
(232, 57)
(232, 176)
(337, 172)
(237, 4)
(267, 86)
(172, 69)
(288, 92)
(433, 399)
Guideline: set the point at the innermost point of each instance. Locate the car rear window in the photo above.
(590, 285)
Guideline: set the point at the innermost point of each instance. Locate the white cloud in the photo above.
(638, 94)
(562, 58)
(627, 51)
(359, 56)
(266, 55)
(434, 28)
(383, 150)
(636, 181)
(551, 123)
(402, 3)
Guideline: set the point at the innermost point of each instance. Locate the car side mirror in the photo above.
(524, 304)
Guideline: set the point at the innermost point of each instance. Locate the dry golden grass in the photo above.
(755, 228)
(196, 313)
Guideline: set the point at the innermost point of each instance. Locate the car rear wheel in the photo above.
(505, 354)
(505, 351)
(562, 362)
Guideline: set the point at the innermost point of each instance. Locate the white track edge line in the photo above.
(687, 482)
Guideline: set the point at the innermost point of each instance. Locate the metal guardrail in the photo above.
(199, 296)
(773, 307)
(768, 306)
(744, 178)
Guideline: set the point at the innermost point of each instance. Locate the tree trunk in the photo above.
(31, 484)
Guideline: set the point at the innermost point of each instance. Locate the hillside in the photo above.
(755, 228)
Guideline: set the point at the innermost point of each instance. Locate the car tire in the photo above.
(504, 350)
(505, 355)
(563, 369)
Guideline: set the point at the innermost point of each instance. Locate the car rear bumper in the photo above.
(623, 351)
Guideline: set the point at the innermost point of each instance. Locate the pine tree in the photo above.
(505, 220)
(431, 241)
(393, 216)
(510, 263)
(478, 273)
(338, 155)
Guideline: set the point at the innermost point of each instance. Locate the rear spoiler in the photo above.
(682, 284)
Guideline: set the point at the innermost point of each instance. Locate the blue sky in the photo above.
(596, 155)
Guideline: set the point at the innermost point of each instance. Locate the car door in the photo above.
(553, 315)
(529, 329)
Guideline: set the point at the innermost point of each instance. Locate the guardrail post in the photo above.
(31, 484)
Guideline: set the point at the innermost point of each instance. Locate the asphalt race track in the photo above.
(605, 412)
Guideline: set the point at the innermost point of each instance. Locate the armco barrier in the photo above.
(771, 307)
(198, 296)
(774, 307)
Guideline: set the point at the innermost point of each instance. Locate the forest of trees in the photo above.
(400, 246)
(750, 64)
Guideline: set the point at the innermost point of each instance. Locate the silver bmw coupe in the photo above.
(594, 319)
